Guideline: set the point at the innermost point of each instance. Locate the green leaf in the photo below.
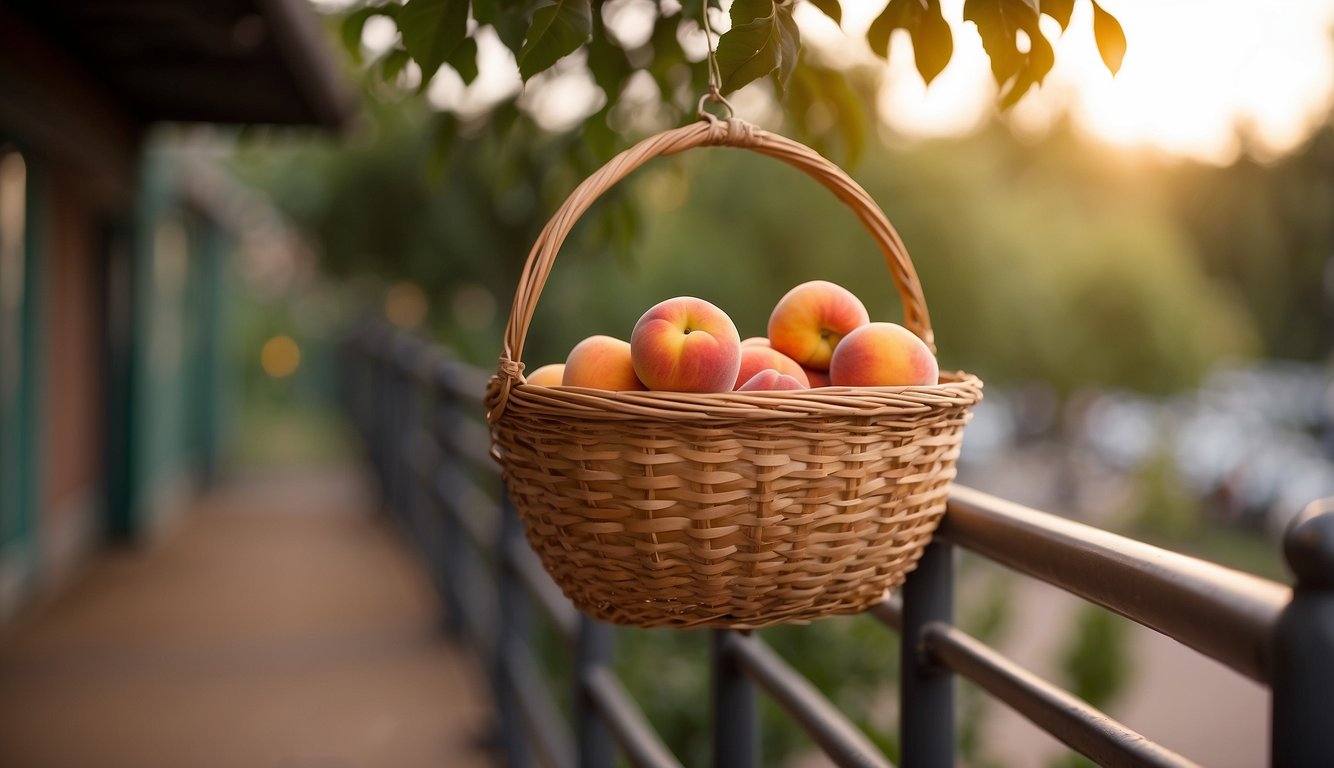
(1111, 38)
(747, 11)
(749, 52)
(464, 60)
(830, 8)
(432, 29)
(354, 23)
(999, 22)
(1039, 61)
(789, 48)
(898, 14)
(557, 30)
(505, 17)
(392, 64)
(1059, 10)
(764, 38)
(932, 40)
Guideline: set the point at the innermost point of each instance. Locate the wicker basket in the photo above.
(729, 509)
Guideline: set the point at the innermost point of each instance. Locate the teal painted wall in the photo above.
(20, 393)
(172, 419)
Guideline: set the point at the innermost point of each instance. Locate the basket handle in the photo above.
(708, 131)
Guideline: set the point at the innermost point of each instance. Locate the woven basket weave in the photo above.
(737, 509)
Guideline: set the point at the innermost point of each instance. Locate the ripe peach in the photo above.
(883, 355)
(686, 344)
(817, 378)
(760, 341)
(770, 380)
(810, 319)
(601, 362)
(549, 375)
(755, 358)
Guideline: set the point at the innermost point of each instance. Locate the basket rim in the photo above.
(957, 389)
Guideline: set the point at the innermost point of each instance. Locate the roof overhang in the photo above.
(212, 61)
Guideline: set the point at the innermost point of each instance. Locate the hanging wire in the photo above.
(715, 94)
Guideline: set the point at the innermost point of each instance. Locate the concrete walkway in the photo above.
(281, 625)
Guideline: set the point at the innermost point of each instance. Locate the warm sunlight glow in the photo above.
(1195, 72)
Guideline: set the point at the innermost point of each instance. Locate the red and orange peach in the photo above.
(769, 380)
(686, 344)
(756, 358)
(601, 362)
(810, 320)
(549, 375)
(883, 355)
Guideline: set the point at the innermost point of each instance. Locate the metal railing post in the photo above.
(593, 740)
(513, 631)
(926, 723)
(449, 546)
(1302, 651)
(735, 720)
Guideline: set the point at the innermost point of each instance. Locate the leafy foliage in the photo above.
(763, 41)
(556, 30)
(933, 44)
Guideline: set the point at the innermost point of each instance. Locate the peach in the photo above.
(549, 375)
(760, 341)
(686, 344)
(755, 358)
(808, 322)
(601, 362)
(817, 378)
(883, 355)
(770, 380)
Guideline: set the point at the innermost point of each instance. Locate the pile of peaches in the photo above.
(819, 335)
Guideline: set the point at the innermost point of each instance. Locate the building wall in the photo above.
(73, 413)
(20, 347)
(100, 353)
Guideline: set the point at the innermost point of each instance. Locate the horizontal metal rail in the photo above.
(476, 512)
(564, 616)
(636, 737)
(528, 682)
(889, 612)
(1224, 614)
(1065, 716)
(842, 741)
(422, 414)
(1073, 721)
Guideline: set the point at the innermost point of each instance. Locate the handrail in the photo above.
(1061, 714)
(641, 744)
(1224, 614)
(836, 735)
(420, 411)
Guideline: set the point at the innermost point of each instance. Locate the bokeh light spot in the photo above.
(280, 357)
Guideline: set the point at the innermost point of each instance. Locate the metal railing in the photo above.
(421, 416)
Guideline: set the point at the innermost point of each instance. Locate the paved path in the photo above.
(282, 625)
